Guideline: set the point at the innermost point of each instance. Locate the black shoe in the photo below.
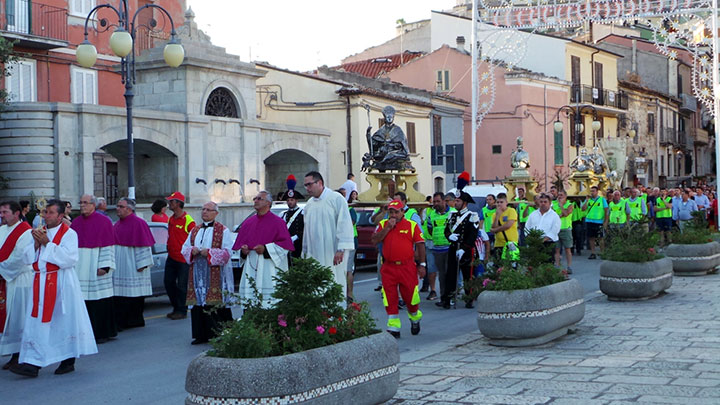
(415, 327)
(446, 305)
(439, 304)
(177, 316)
(65, 368)
(102, 340)
(424, 288)
(378, 288)
(401, 304)
(469, 304)
(27, 370)
(432, 296)
(592, 257)
(13, 361)
(198, 341)
(395, 334)
(452, 304)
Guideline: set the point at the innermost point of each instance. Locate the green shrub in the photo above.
(696, 231)
(307, 315)
(631, 243)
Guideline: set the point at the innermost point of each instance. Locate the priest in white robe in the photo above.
(57, 327)
(207, 250)
(264, 242)
(328, 235)
(133, 261)
(16, 279)
(96, 265)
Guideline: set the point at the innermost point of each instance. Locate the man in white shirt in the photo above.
(545, 220)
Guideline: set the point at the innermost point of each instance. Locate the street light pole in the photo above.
(716, 94)
(122, 43)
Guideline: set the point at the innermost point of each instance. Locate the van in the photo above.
(479, 191)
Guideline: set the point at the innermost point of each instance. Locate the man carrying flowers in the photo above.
(403, 253)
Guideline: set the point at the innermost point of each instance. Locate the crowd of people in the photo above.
(67, 284)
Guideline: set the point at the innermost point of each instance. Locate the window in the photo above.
(455, 162)
(662, 165)
(221, 103)
(600, 131)
(443, 80)
(410, 132)
(436, 149)
(575, 78)
(22, 82)
(84, 86)
(81, 7)
(497, 149)
(651, 123)
(558, 148)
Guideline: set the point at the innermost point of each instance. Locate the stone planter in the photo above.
(530, 317)
(694, 260)
(625, 281)
(359, 371)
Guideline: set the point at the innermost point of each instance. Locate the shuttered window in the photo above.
(410, 132)
(22, 82)
(81, 7)
(84, 86)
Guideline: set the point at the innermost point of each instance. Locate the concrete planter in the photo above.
(530, 317)
(359, 371)
(694, 260)
(623, 281)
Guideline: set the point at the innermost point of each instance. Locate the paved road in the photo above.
(148, 365)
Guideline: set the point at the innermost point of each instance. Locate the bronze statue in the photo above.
(519, 159)
(388, 146)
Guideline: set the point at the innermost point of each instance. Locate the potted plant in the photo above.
(528, 302)
(693, 251)
(303, 348)
(632, 269)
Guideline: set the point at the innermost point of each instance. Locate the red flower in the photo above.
(356, 306)
(332, 330)
(651, 250)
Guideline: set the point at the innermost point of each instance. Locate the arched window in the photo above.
(221, 103)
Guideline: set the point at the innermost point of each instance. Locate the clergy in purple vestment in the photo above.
(95, 267)
(263, 241)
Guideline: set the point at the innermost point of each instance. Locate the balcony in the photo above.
(668, 136)
(689, 103)
(591, 95)
(701, 137)
(686, 140)
(33, 25)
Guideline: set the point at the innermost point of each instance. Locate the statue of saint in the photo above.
(582, 162)
(599, 165)
(519, 158)
(388, 146)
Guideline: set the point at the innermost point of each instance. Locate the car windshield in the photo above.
(160, 234)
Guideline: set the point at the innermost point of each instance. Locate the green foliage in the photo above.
(307, 315)
(631, 243)
(6, 57)
(696, 231)
(533, 270)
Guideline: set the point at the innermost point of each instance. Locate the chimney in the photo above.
(460, 43)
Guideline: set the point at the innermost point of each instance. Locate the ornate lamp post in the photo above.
(122, 43)
(576, 112)
(627, 122)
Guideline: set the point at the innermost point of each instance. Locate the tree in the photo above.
(6, 57)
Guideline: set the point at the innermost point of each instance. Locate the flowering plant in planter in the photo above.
(642, 248)
(307, 315)
(532, 270)
(696, 231)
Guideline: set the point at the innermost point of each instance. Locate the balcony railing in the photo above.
(668, 136)
(28, 18)
(701, 137)
(592, 95)
(689, 103)
(686, 140)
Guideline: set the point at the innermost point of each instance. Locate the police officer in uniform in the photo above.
(461, 230)
(293, 216)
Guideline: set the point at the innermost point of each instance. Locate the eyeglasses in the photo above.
(210, 210)
(258, 198)
(84, 202)
(310, 183)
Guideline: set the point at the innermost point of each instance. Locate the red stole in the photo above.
(214, 292)
(5, 252)
(50, 282)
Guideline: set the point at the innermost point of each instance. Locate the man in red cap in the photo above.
(176, 268)
(403, 254)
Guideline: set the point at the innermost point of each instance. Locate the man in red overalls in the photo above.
(403, 247)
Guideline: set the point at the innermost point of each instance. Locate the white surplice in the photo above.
(96, 287)
(328, 228)
(218, 257)
(69, 333)
(262, 271)
(18, 277)
(127, 280)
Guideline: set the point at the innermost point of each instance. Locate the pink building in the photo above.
(525, 104)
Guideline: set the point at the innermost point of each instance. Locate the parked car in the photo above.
(159, 253)
(479, 191)
(367, 251)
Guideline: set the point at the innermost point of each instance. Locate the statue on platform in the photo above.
(582, 162)
(388, 146)
(519, 158)
(599, 165)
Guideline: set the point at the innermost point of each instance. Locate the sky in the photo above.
(302, 35)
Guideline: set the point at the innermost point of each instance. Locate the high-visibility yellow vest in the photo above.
(524, 211)
(617, 212)
(488, 215)
(578, 214)
(635, 209)
(565, 222)
(662, 203)
(595, 209)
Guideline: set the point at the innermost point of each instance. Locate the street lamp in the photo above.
(576, 112)
(122, 43)
(625, 122)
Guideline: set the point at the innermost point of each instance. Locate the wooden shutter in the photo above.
(27, 82)
(78, 80)
(410, 132)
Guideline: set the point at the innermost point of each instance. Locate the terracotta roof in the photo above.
(376, 66)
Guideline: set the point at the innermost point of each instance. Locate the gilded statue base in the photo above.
(580, 183)
(384, 185)
(512, 183)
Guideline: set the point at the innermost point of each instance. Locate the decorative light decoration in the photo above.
(86, 54)
(121, 43)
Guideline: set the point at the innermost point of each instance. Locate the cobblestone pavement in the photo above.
(663, 351)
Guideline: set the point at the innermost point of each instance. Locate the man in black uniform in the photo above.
(461, 230)
(293, 216)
